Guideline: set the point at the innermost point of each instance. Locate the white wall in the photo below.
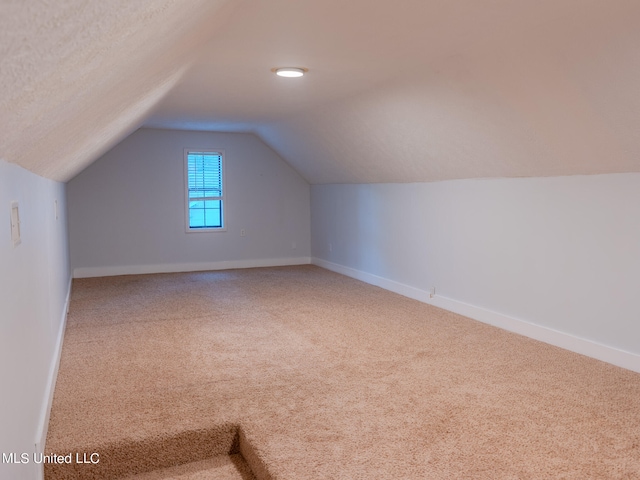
(561, 253)
(34, 286)
(127, 210)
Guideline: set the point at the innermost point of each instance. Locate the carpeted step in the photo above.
(222, 467)
(218, 447)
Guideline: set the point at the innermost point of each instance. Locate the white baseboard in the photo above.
(621, 358)
(85, 272)
(45, 409)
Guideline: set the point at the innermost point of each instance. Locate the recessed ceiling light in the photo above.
(290, 71)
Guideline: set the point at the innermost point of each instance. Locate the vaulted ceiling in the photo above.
(402, 91)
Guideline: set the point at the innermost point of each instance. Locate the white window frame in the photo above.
(185, 169)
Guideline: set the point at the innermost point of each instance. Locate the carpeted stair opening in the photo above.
(217, 452)
(221, 467)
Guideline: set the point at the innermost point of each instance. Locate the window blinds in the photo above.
(204, 175)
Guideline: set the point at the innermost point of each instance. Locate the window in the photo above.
(204, 190)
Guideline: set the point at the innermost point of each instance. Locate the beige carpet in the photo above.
(306, 374)
(222, 467)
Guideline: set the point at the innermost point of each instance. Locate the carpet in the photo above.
(301, 373)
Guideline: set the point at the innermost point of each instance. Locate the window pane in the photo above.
(196, 218)
(212, 217)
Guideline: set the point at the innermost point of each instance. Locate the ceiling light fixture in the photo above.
(290, 71)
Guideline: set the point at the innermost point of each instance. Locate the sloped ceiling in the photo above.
(405, 91)
(76, 76)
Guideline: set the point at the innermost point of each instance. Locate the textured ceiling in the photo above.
(405, 91)
(76, 76)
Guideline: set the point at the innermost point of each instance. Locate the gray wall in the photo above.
(561, 252)
(127, 214)
(34, 284)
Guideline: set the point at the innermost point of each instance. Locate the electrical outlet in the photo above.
(294, 245)
(432, 292)
(330, 248)
(243, 232)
